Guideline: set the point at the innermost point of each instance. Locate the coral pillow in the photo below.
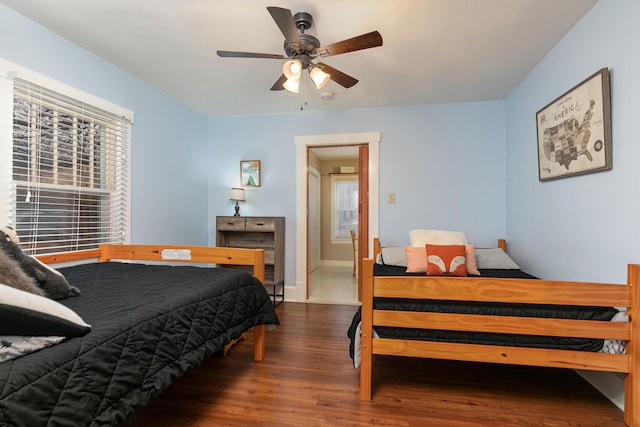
(446, 260)
(416, 259)
(470, 260)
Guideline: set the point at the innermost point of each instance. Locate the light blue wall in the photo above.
(445, 163)
(169, 170)
(585, 227)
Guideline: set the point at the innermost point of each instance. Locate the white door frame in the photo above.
(314, 218)
(372, 139)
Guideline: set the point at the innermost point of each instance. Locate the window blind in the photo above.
(70, 172)
(344, 204)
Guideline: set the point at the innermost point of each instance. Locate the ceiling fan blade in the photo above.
(278, 84)
(364, 41)
(231, 54)
(337, 76)
(284, 21)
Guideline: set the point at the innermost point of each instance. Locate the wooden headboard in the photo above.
(377, 247)
(167, 253)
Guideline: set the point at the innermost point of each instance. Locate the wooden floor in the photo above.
(307, 379)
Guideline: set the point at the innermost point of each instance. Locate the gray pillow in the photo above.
(494, 258)
(393, 255)
(11, 274)
(54, 284)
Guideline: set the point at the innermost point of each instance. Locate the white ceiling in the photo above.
(335, 153)
(434, 51)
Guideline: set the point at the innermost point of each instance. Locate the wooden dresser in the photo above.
(263, 232)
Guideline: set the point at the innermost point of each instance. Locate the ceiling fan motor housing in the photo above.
(303, 21)
(307, 48)
(308, 43)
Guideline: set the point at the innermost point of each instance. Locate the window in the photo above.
(69, 172)
(344, 206)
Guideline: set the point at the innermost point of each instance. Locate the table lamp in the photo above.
(237, 194)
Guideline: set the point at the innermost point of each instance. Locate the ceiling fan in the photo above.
(302, 49)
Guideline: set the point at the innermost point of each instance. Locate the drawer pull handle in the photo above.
(259, 223)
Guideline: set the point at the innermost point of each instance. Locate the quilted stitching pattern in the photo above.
(150, 325)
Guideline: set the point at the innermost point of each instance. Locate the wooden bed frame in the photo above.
(177, 254)
(509, 291)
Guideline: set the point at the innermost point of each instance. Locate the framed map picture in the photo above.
(574, 131)
(250, 173)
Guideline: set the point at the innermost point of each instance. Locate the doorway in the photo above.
(371, 140)
(332, 213)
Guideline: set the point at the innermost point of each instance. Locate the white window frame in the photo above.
(335, 178)
(8, 73)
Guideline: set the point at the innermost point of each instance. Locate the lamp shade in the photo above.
(319, 77)
(237, 194)
(292, 69)
(292, 85)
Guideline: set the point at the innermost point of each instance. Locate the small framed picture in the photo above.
(250, 173)
(574, 130)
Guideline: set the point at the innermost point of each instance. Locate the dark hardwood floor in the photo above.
(307, 379)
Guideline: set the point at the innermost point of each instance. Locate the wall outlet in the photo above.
(392, 197)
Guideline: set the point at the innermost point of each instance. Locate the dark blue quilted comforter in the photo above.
(150, 324)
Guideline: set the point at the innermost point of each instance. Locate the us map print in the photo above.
(571, 132)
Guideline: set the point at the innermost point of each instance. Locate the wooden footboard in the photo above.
(177, 254)
(504, 291)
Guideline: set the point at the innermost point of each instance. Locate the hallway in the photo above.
(333, 285)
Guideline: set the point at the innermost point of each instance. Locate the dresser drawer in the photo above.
(260, 224)
(230, 223)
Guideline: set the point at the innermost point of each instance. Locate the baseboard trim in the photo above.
(291, 293)
(335, 263)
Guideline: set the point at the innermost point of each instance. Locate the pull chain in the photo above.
(304, 93)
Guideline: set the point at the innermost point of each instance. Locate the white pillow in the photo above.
(437, 237)
(494, 258)
(26, 314)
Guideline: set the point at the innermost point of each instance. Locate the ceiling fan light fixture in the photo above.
(292, 69)
(319, 77)
(292, 85)
(301, 48)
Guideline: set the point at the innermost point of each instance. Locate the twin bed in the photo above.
(551, 323)
(149, 324)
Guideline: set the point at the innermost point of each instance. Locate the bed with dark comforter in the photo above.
(481, 318)
(479, 308)
(150, 324)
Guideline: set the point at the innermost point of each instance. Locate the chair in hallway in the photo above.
(354, 241)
